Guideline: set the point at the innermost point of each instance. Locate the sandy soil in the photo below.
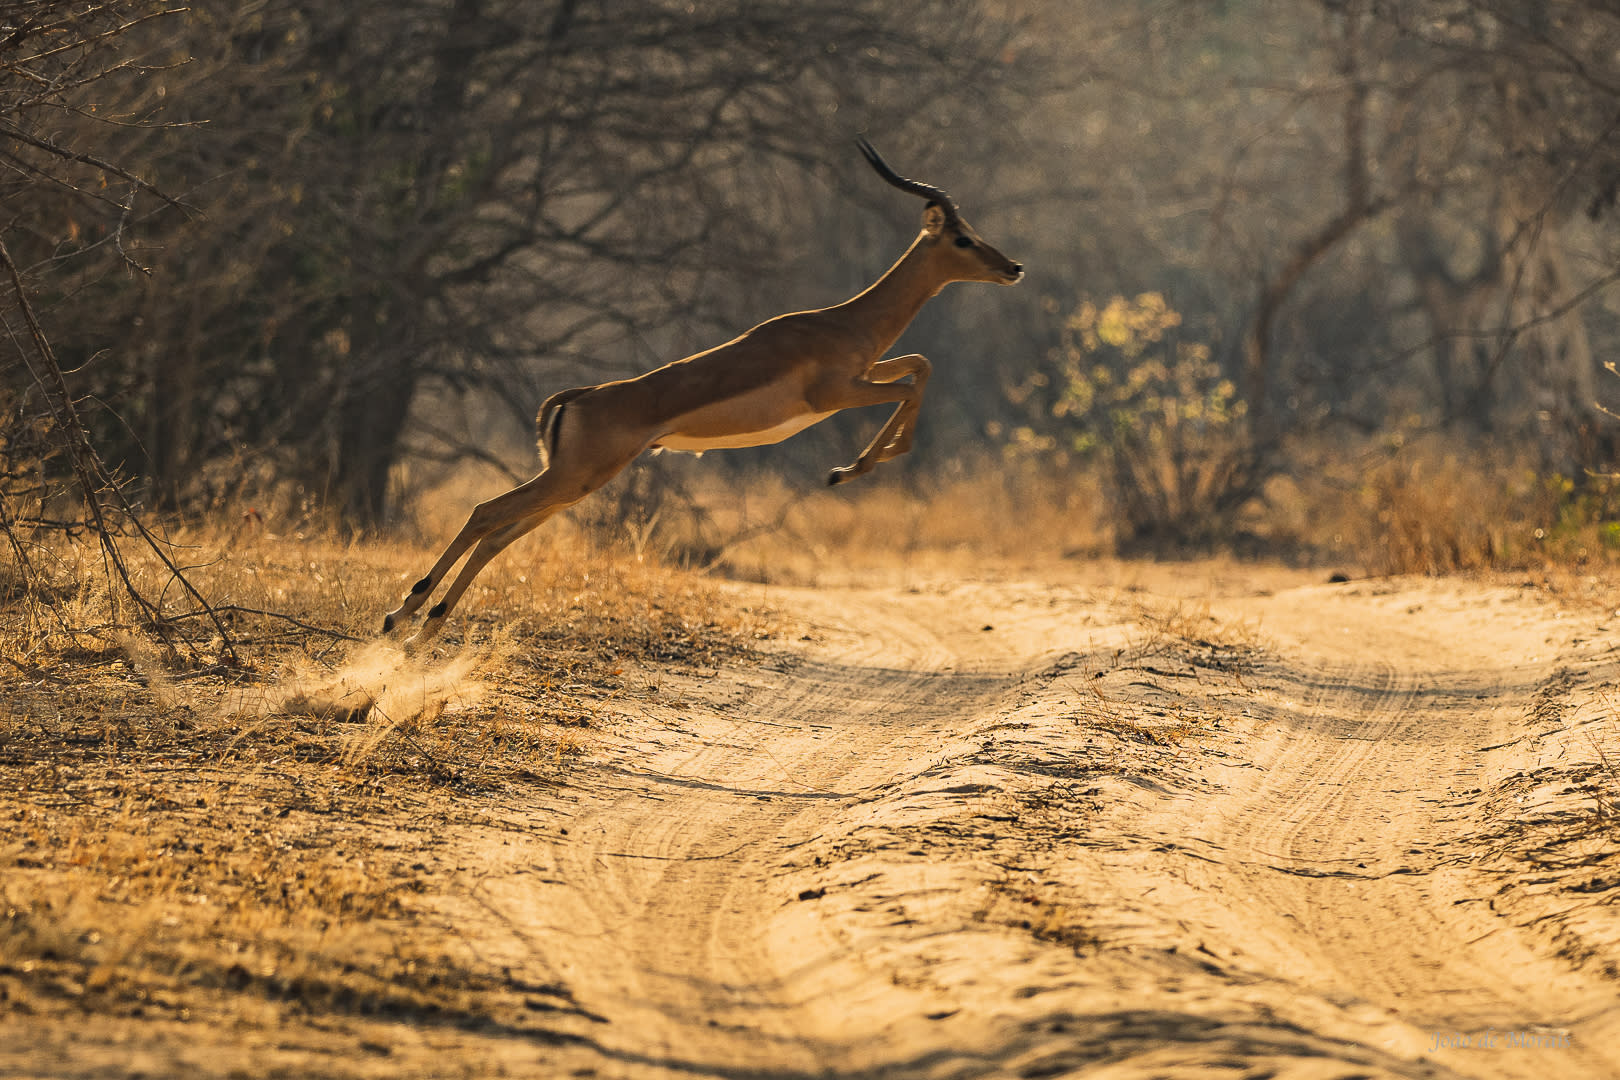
(1164, 822)
(1022, 829)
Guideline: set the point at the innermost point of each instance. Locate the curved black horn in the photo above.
(915, 187)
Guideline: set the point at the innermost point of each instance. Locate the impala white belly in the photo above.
(697, 444)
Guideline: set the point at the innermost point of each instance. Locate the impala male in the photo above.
(772, 382)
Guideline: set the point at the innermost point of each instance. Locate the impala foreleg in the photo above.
(895, 437)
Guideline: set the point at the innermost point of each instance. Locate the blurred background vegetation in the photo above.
(1327, 277)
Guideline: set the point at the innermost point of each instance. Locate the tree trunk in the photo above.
(372, 420)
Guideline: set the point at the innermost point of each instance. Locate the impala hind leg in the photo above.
(582, 453)
(486, 518)
(895, 437)
(489, 547)
(492, 528)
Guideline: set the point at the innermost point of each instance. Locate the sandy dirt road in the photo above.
(1017, 829)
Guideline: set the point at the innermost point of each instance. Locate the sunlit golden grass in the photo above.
(765, 529)
(1434, 505)
(1429, 505)
(185, 835)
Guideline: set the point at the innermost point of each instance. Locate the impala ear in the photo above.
(933, 219)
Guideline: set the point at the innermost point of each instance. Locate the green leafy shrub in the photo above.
(1155, 411)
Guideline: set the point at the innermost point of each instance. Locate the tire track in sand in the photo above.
(1343, 871)
(663, 891)
(1331, 883)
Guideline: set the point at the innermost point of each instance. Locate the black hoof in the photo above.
(388, 623)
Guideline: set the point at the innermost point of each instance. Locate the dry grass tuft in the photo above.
(1190, 630)
(1015, 903)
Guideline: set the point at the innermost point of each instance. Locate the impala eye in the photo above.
(963, 241)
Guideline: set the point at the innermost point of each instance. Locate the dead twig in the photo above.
(95, 481)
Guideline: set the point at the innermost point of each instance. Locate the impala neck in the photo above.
(887, 307)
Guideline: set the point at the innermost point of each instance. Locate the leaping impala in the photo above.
(772, 382)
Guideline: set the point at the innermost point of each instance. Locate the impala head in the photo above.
(965, 257)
